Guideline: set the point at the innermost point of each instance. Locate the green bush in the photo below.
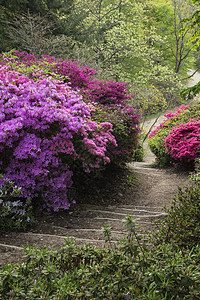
(149, 100)
(182, 225)
(15, 212)
(173, 119)
(127, 270)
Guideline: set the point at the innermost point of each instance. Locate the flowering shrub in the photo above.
(107, 92)
(183, 142)
(79, 76)
(124, 119)
(110, 98)
(170, 115)
(48, 130)
(15, 213)
(45, 126)
(176, 140)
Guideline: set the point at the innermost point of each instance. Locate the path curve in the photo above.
(155, 189)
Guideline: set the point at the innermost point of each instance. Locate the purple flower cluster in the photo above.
(110, 98)
(45, 126)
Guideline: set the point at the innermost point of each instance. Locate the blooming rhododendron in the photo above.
(110, 95)
(169, 115)
(45, 125)
(183, 142)
(56, 117)
(177, 139)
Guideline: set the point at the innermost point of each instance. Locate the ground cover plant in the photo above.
(48, 126)
(15, 213)
(127, 270)
(177, 140)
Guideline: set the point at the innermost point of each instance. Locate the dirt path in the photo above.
(151, 190)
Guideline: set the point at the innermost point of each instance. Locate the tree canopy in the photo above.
(143, 42)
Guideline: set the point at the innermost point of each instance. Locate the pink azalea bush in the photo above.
(169, 115)
(183, 142)
(177, 139)
(49, 125)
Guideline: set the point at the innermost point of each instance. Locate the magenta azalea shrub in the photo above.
(169, 115)
(177, 139)
(124, 119)
(80, 77)
(107, 92)
(183, 142)
(49, 125)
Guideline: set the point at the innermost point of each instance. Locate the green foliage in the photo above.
(182, 225)
(126, 270)
(149, 100)
(157, 146)
(35, 34)
(15, 212)
(191, 92)
(53, 14)
(120, 38)
(168, 16)
(138, 153)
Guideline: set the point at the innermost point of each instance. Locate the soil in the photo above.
(140, 190)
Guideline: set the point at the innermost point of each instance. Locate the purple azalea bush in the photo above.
(45, 126)
(108, 97)
(48, 124)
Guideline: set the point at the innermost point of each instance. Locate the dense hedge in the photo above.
(181, 227)
(177, 140)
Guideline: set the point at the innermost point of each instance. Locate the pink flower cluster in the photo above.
(183, 141)
(176, 112)
(46, 126)
(169, 115)
(107, 92)
(81, 77)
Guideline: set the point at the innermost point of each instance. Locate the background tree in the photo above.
(137, 41)
(57, 10)
(191, 92)
(168, 17)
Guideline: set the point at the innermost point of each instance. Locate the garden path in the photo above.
(152, 189)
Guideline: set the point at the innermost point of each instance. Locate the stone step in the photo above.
(80, 233)
(42, 239)
(136, 214)
(124, 209)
